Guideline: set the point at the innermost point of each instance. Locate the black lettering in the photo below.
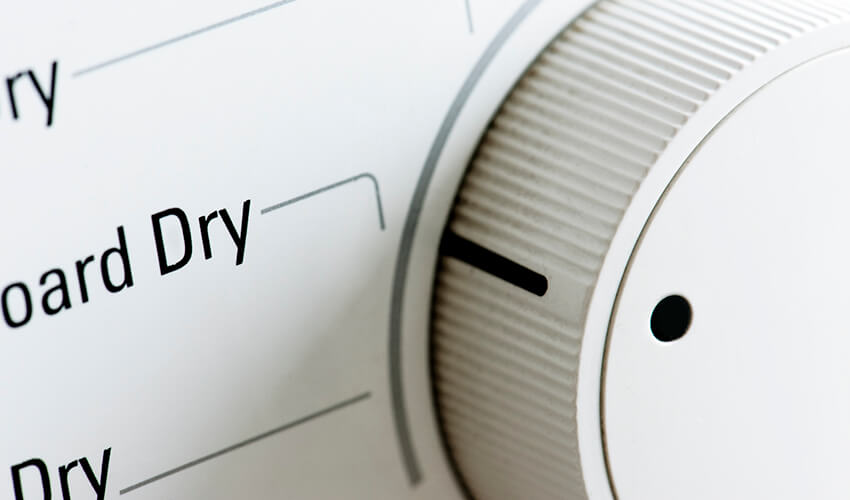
(7, 315)
(121, 251)
(164, 266)
(240, 237)
(47, 99)
(63, 479)
(16, 478)
(99, 485)
(204, 222)
(62, 288)
(81, 277)
(10, 84)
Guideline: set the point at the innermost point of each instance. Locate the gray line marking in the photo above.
(258, 437)
(402, 425)
(364, 175)
(469, 15)
(179, 38)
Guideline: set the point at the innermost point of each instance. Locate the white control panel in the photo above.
(438, 250)
(203, 208)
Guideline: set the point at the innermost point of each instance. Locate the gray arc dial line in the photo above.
(399, 408)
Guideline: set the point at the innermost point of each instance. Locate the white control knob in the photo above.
(649, 251)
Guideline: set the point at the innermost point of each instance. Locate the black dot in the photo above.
(670, 318)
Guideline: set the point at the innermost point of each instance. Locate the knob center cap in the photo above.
(751, 401)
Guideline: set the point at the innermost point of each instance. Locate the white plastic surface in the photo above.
(560, 185)
(267, 376)
(750, 403)
(266, 379)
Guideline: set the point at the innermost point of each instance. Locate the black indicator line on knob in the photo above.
(403, 431)
(490, 262)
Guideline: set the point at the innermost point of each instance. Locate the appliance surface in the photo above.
(424, 250)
